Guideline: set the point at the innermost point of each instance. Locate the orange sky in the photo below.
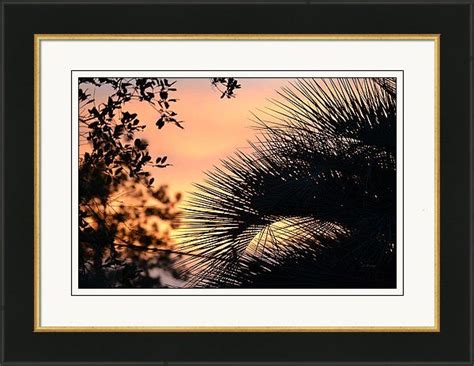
(213, 128)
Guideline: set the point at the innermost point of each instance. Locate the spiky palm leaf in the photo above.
(313, 204)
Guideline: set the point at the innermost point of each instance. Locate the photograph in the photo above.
(237, 182)
(242, 183)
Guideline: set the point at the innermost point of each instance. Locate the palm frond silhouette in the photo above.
(313, 204)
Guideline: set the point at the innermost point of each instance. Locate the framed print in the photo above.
(290, 185)
(234, 210)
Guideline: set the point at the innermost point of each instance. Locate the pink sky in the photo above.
(213, 128)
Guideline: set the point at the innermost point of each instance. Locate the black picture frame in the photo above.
(21, 20)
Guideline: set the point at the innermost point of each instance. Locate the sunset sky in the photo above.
(213, 127)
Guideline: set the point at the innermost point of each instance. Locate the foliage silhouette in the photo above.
(226, 86)
(124, 219)
(313, 205)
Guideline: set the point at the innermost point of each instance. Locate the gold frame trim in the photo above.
(291, 329)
